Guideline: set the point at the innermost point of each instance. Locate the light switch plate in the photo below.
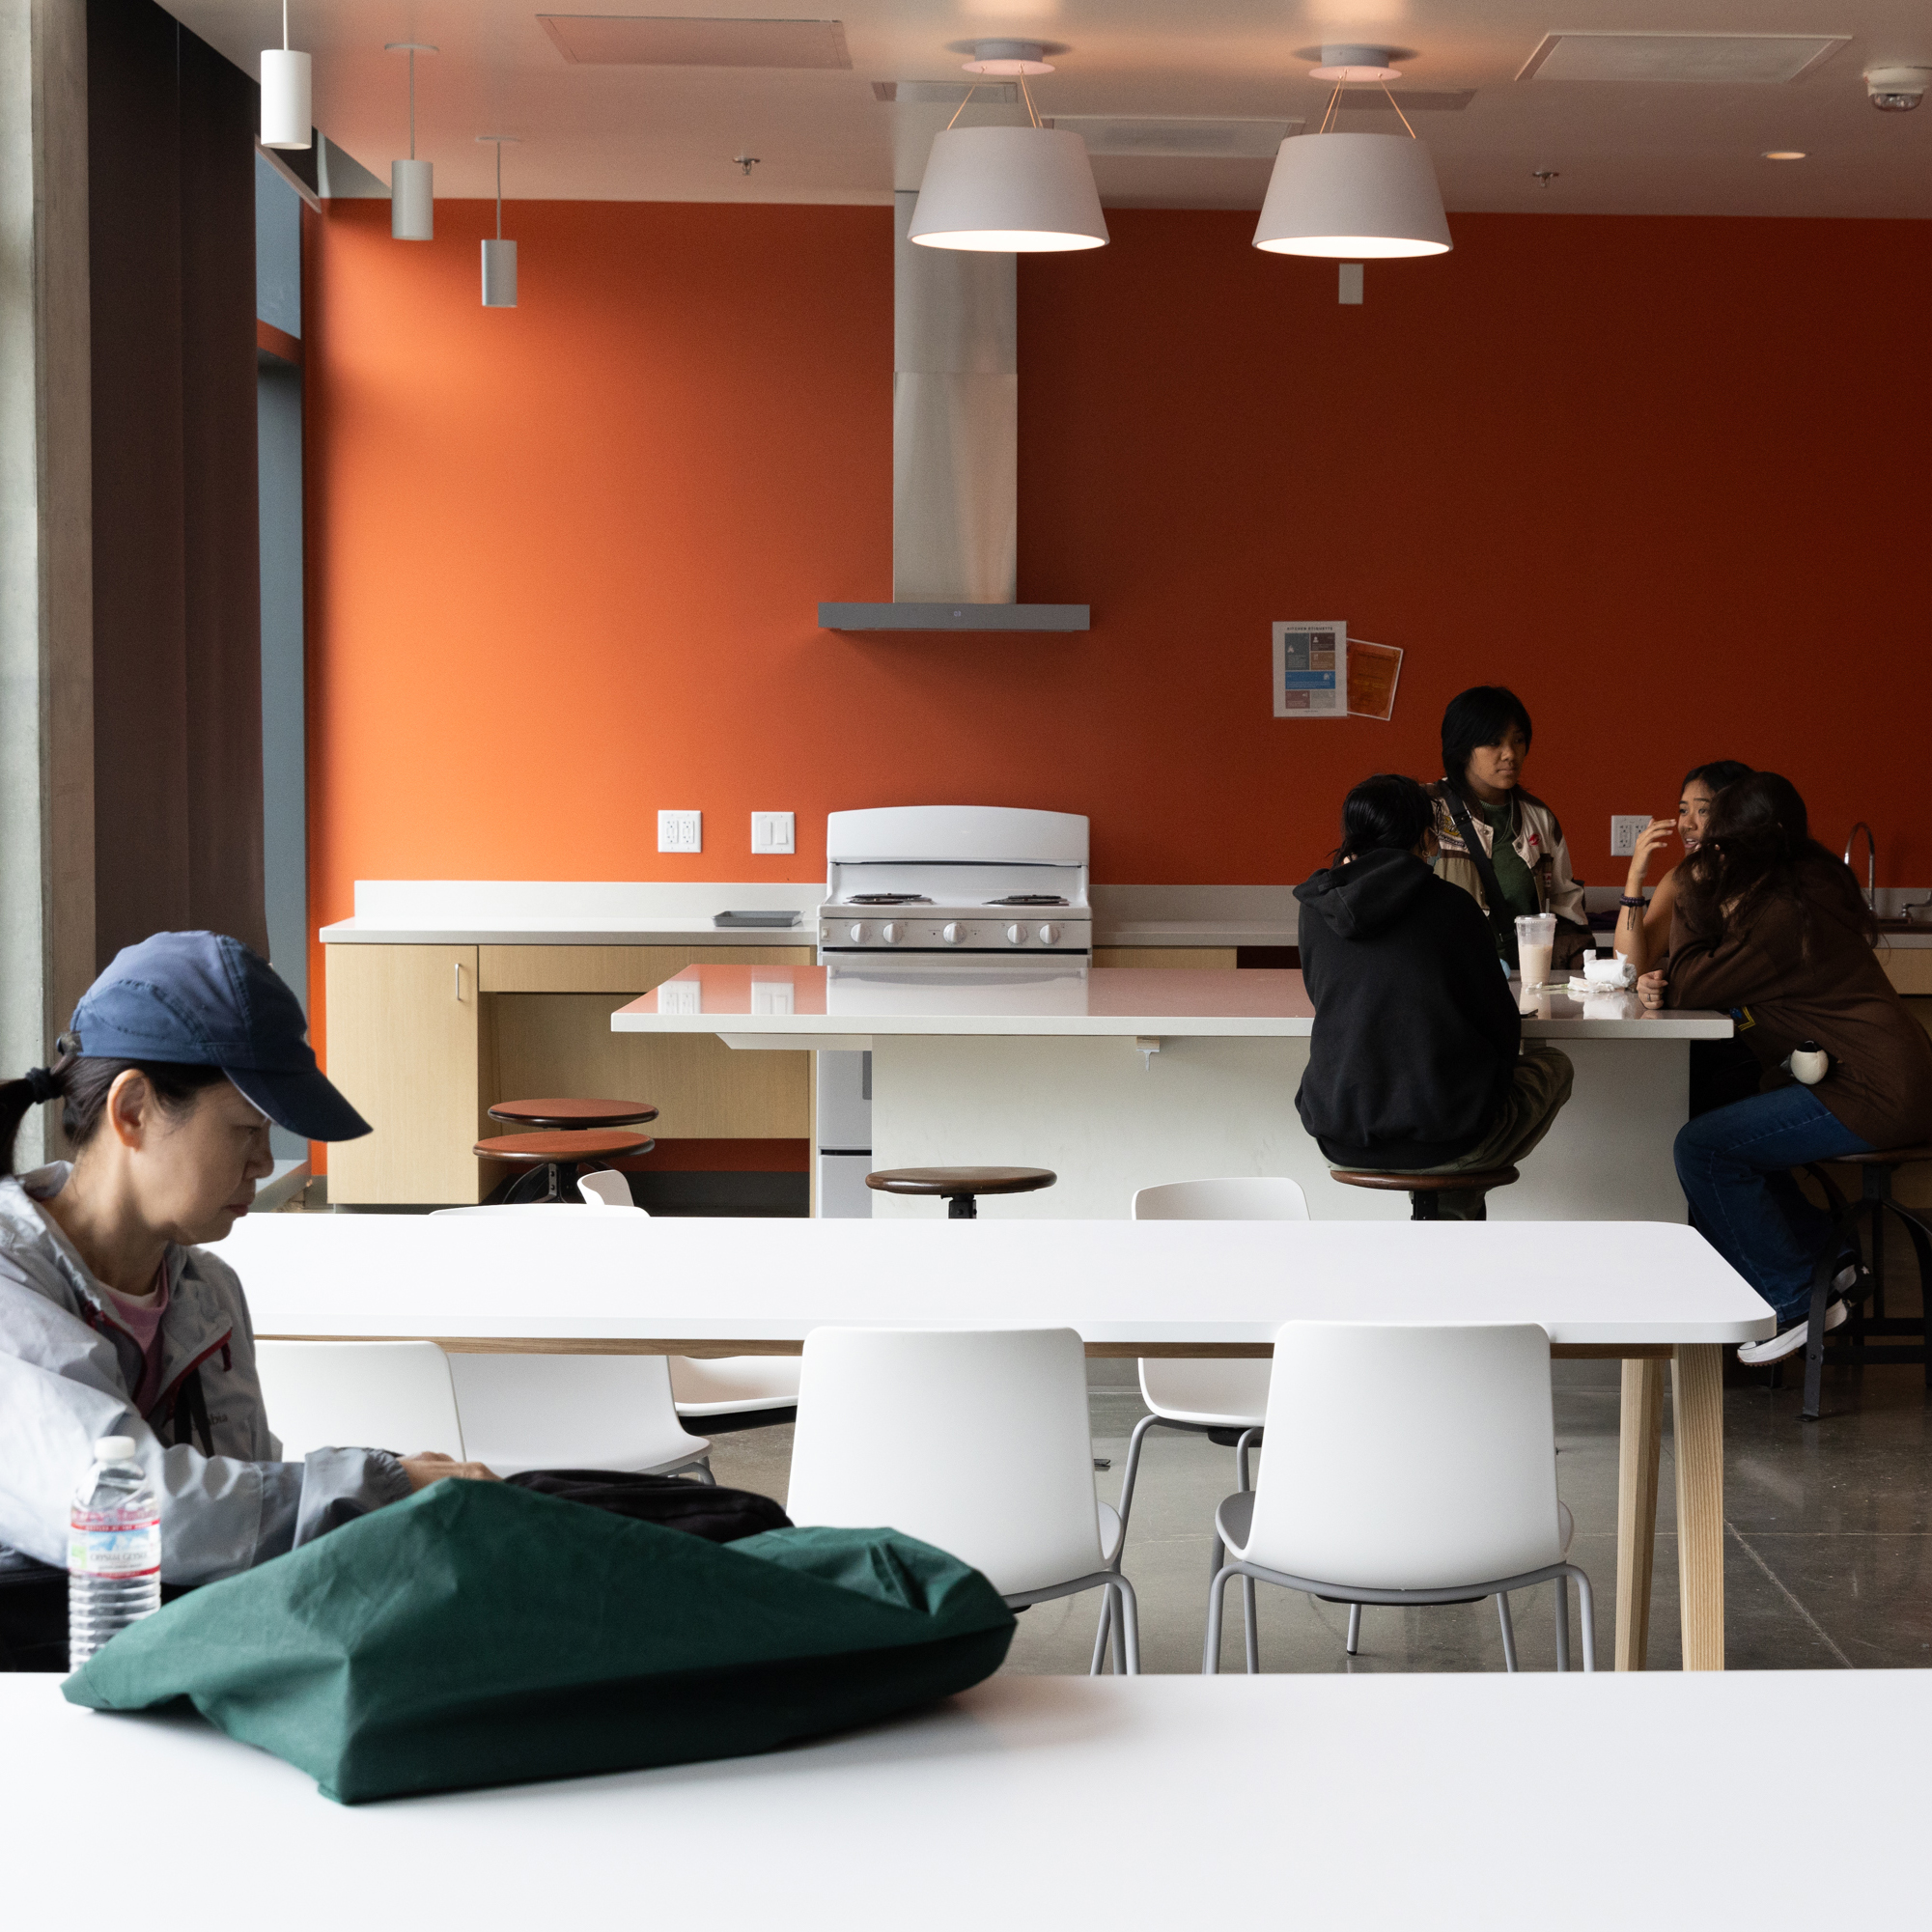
(1626, 828)
(771, 831)
(680, 831)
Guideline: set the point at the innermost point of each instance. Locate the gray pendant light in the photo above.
(413, 201)
(499, 257)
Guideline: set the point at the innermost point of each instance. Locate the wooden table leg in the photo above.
(1640, 1438)
(1697, 1439)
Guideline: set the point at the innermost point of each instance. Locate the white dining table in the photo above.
(1379, 1803)
(1647, 1293)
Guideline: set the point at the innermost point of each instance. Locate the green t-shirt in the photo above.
(1517, 882)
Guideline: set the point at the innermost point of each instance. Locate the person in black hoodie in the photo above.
(1416, 1064)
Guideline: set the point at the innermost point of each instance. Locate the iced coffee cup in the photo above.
(1535, 941)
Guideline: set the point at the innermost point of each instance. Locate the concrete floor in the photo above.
(1828, 1561)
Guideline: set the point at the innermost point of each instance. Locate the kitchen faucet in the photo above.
(1871, 860)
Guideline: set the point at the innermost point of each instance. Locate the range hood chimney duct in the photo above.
(955, 449)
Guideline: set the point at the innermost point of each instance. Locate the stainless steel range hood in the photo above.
(955, 450)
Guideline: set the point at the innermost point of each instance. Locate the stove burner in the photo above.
(888, 899)
(1028, 899)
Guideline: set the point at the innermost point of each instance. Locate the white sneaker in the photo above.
(1789, 1340)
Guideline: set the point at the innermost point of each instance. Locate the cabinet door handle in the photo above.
(459, 979)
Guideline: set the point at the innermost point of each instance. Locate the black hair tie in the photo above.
(43, 1083)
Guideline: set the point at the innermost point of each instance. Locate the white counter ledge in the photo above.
(808, 1003)
(570, 912)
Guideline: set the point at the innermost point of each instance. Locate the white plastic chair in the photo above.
(1201, 1395)
(376, 1395)
(991, 1456)
(1406, 1465)
(602, 1189)
(573, 1412)
(736, 1390)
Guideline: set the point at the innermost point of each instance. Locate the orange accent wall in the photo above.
(1659, 475)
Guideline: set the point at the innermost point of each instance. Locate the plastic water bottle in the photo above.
(113, 1550)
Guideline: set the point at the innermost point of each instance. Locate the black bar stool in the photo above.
(575, 1135)
(1860, 1226)
(1424, 1189)
(960, 1187)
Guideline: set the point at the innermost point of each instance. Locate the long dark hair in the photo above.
(82, 1084)
(1386, 813)
(1757, 849)
(1716, 775)
(1475, 717)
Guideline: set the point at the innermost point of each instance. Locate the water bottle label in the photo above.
(105, 1544)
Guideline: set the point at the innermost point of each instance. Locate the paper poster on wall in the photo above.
(1311, 661)
(1374, 671)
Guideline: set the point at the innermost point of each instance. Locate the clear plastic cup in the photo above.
(1535, 941)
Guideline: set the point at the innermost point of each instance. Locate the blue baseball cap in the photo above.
(201, 1000)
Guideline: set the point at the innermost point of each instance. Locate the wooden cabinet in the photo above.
(403, 1040)
(424, 1040)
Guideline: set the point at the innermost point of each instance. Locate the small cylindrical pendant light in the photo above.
(499, 257)
(287, 115)
(412, 203)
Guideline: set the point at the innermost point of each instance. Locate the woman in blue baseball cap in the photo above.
(115, 1320)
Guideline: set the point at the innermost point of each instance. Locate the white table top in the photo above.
(1133, 1001)
(636, 1277)
(1373, 1802)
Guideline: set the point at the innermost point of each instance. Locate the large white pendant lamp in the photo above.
(1354, 197)
(1008, 191)
(413, 198)
(288, 119)
(499, 257)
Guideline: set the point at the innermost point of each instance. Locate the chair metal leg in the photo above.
(1126, 1619)
(1562, 1624)
(1242, 1478)
(1132, 1472)
(1210, 1650)
(1102, 1634)
(1253, 1635)
(1814, 1334)
(1508, 1630)
(1354, 1629)
(1587, 1605)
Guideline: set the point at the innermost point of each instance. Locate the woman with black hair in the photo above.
(1772, 928)
(114, 1318)
(1643, 927)
(1499, 843)
(1417, 1064)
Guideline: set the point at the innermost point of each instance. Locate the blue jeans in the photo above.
(1735, 1167)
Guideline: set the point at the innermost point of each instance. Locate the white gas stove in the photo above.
(983, 883)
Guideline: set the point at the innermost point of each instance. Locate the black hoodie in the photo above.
(1415, 1034)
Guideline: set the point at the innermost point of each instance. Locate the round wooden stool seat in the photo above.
(1422, 1189)
(1884, 1157)
(960, 1187)
(574, 1115)
(558, 1156)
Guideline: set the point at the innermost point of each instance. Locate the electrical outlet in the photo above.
(680, 831)
(771, 831)
(1626, 828)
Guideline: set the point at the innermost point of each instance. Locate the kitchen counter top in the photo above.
(747, 1002)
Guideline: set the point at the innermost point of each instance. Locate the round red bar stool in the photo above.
(961, 1187)
(575, 1134)
(1422, 1190)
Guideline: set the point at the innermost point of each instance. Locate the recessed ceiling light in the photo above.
(1784, 154)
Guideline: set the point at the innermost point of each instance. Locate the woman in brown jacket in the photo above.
(1772, 928)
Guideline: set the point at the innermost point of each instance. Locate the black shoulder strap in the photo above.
(1503, 926)
(189, 1418)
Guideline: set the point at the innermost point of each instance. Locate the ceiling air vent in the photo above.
(946, 93)
(1723, 58)
(1171, 138)
(632, 39)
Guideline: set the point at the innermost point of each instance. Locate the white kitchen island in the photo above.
(1122, 1078)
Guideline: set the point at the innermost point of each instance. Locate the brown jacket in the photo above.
(1788, 978)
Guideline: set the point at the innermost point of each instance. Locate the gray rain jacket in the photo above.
(66, 1372)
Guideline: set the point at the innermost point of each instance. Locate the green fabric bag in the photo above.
(478, 1633)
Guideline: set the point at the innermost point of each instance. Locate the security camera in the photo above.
(1897, 89)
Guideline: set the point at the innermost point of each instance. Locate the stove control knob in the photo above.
(894, 932)
(858, 935)
(1016, 935)
(1050, 936)
(952, 932)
